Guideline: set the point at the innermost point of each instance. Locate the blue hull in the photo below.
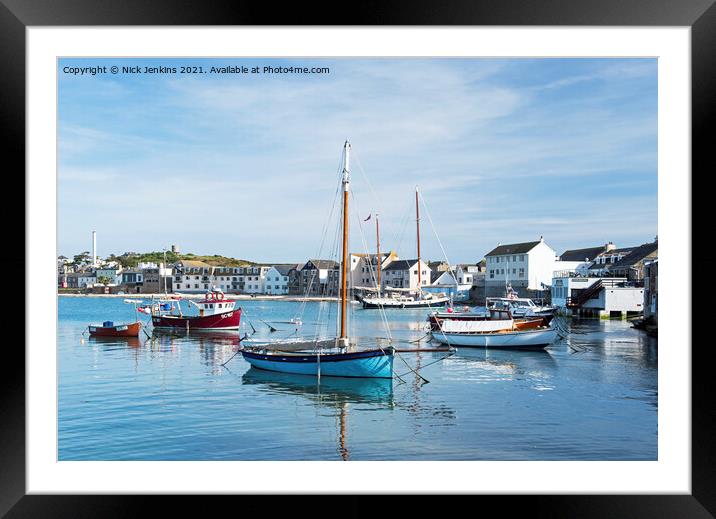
(366, 364)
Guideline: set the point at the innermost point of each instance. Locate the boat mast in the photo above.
(417, 221)
(163, 268)
(343, 339)
(378, 258)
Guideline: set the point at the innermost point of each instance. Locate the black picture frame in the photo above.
(17, 15)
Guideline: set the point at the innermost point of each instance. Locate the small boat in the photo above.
(417, 297)
(481, 313)
(109, 329)
(215, 312)
(521, 306)
(424, 300)
(343, 359)
(497, 333)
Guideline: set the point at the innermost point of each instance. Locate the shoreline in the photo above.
(238, 297)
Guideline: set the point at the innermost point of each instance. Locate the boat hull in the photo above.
(224, 321)
(371, 303)
(529, 339)
(361, 364)
(120, 330)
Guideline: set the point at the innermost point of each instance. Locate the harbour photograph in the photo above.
(357, 259)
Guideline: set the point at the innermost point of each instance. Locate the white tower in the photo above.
(94, 248)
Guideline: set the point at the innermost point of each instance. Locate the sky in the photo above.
(247, 164)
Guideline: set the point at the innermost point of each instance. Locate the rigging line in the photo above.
(320, 252)
(339, 170)
(365, 177)
(384, 317)
(427, 211)
(450, 354)
(400, 231)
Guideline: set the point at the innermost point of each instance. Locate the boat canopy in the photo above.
(451, 325)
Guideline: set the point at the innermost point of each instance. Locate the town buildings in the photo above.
(609, 283)
(527, 267)
(404, 274)
(319, 277)
(276, 280)
(364, 270)
(651, 291)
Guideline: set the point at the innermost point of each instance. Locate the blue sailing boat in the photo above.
(342, 358)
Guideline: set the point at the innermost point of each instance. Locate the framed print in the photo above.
(471, 292)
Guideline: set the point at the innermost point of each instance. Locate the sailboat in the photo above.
(343, 358)
(402, 297)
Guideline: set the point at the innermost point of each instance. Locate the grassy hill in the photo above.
(132, 259)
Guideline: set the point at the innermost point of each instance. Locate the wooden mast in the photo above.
(379, 259)
(343, 339)
(417, 221)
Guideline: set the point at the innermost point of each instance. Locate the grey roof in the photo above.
(401, 264)
(587, 254)
(284, 269)
(513, 248)
(637, 254)
(321, 264)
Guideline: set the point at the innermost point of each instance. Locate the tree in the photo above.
(104, 280)
(82, 259)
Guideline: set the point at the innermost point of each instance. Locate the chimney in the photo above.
(541, 238)
(94, 248)
(609, 246)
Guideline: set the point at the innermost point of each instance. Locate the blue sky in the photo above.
(504, 150)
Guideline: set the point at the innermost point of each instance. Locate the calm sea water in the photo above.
(169, 398)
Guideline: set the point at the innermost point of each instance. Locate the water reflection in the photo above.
(329, 393)
(326, 390)
(117, 342)
(214, 347)
(486, 365)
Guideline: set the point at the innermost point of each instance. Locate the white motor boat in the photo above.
(493, 334)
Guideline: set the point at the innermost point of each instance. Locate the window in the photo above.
(514, 271)
(492, 273)
(522, 257)
(522, 272)
(196, 286)
(514, 258)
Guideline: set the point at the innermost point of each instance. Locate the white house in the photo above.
(527, 267)
(276, 279)
(456, 283)
(363, 271)
(86, 279)
(404, 274)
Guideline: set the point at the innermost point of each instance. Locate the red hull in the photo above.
(121, 330)
(224, 321)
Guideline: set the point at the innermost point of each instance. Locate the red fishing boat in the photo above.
(214, 312)
(109, 329)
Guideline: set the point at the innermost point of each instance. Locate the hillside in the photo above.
(131, 259)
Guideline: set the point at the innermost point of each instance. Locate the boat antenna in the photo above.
(417, 222)
(378, 257)
(164, 268)
(343, 339)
